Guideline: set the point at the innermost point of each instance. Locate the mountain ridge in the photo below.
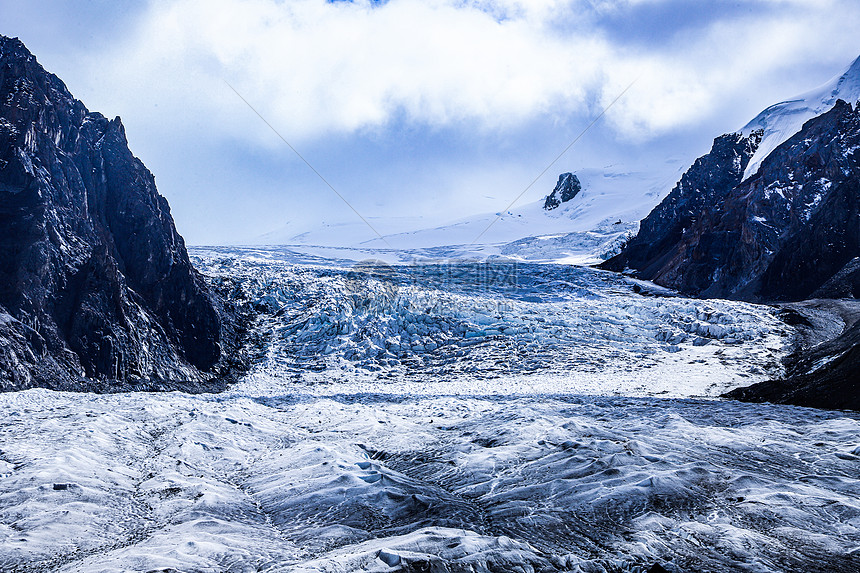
(780, 121)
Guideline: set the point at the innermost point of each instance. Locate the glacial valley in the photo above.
(446, 417)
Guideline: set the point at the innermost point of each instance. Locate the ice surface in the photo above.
(401, 461)
(457, 327)
(353, 482)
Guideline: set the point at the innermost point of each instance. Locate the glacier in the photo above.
(537, 418)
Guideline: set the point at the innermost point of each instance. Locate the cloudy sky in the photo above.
(432, 108)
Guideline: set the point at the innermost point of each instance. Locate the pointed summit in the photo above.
(567, 188)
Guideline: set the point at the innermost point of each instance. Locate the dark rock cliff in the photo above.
(96, 287)
(567, 188)
(789, 232)
(667, 248)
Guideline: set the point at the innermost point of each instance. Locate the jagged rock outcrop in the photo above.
(663, 249)
(567, 188)
(96, 287)
(789, 232)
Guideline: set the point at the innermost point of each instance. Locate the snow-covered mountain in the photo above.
(583, 229)
(782, 120)
(607, 210)
(768, 213)
(612, 201)
(352, 233)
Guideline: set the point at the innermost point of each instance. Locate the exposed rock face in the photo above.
(567, 188)
(789, 232)
(663, 249)
(821, 374)
(95, 282)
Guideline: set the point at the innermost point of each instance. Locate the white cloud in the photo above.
(314, 68)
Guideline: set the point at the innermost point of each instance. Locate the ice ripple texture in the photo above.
(142, 482)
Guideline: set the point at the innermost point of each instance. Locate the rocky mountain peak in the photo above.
(662, 246)
(567, 188)
(780, 235)
(95, 281)
(789, 233)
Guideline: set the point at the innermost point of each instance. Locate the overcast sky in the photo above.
(439, 108)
